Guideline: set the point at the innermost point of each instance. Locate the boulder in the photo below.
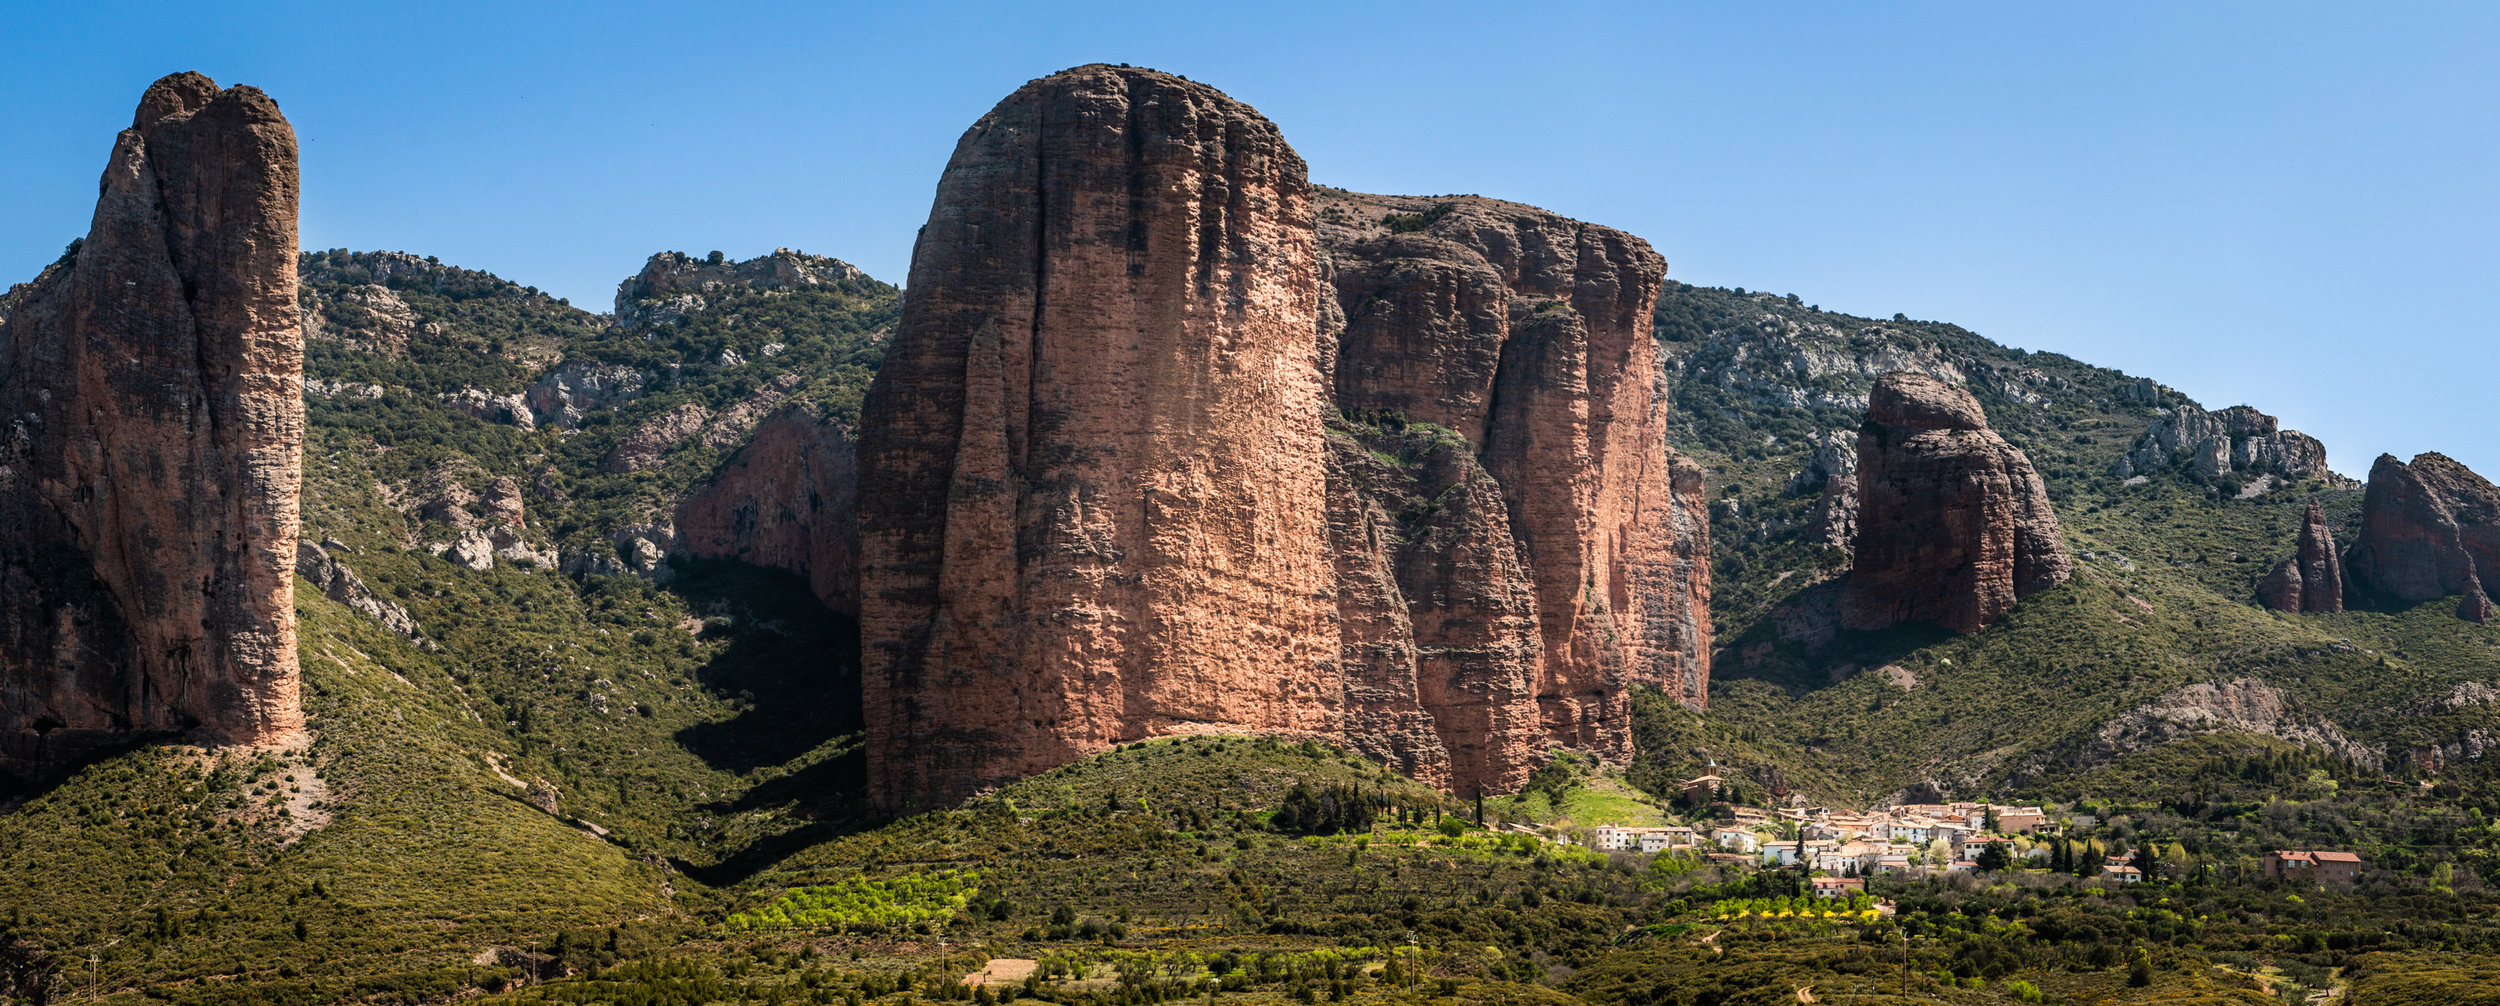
(151, 439)
(1954, 524)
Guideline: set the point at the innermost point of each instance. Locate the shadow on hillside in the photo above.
(791, 666)
(826, 796)
(1800, 646)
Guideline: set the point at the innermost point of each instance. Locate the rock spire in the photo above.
(2312, 579)
(1954, 524)
(151, 446)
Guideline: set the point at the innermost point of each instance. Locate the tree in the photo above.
(1993, 858)
(2146, 862)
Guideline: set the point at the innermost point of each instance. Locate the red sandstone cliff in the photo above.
(1155, 451)
(785, 501)
(1954, 525)
(152, 387)
(1097, 489)
(2312, 579)
(2429, 529)
(1528, 334)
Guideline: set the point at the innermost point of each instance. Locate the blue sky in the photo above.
(2288, 205)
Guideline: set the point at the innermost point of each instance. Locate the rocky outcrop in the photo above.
(338, 583)
(2238, 440)
(2240, 705)
(787, 500)
(151, 387)
(2312, 579)
(1438, 632)
(1155, 452)
(1954, 525)
(673, 285)
(2429, 529)
(646, 446)
(1095, 491)
(371, 318)
(480, 403)
(1832, 475)
(1528, 334)
(571, 390)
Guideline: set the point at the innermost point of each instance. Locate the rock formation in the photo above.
(2238, 439)
(2429, 529)
(1528, 335)
(2312, 579)
(786, 500)
(151, 385)
(1097, 504)
(1154, 451)
(673, 285)
(1954, 525)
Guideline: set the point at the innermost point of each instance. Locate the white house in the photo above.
(1736, 840)
(1611, 838)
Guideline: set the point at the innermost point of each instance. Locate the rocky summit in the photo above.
(1953, 524)
(153, 399)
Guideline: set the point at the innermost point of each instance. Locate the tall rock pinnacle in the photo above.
(1094, 499)
(152, 388)
(1954, 525)
(2312, 579)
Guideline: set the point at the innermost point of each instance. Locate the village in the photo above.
(1842, 847)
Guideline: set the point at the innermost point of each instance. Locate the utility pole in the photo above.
(1905, 962)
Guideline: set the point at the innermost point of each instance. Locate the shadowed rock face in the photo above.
(1098, 487)
(788, 501)
(1528, 334)
(1954, 525)
(152, 452)
(2313, 578)
(2429, 529)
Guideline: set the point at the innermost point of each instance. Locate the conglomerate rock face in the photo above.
(787, 500)
(1954, 524)
(1528, 334)
(1169, 441)
(2429, 529)
(2312, 579)
(153, 424)
(1096, 504)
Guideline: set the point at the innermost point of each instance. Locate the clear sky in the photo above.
(2289, 205)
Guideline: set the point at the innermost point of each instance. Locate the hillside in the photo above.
(2093, 673)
